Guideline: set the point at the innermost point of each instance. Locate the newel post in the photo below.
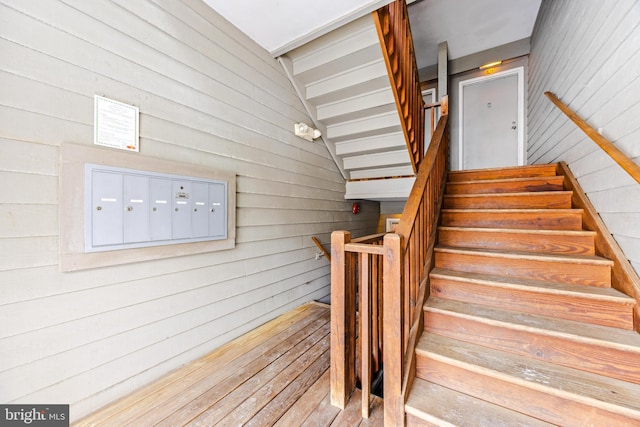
(343, 321)
(393, 357)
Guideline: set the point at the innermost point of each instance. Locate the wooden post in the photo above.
(343, 322)
(392, 333)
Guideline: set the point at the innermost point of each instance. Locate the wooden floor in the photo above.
(277, 374)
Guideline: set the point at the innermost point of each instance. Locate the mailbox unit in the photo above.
(128, 208)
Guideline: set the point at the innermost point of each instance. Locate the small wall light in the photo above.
(490, 64)
(305, 131)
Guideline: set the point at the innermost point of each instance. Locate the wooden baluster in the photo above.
(376, 278)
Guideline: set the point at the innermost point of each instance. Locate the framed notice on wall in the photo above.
(115, 124)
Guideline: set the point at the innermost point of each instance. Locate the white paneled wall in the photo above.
(208, 96)
(588, 54)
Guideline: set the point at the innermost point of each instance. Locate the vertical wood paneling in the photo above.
(208, 96)
(588, 54)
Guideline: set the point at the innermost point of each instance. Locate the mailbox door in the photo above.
(199, 204)
(106, 208)
(136, 208)
(218, 210)
(160, 208)
(181, 204)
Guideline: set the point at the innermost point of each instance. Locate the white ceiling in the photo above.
(468, 26)
(281, 25)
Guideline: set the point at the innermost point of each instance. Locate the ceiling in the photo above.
(468, 26)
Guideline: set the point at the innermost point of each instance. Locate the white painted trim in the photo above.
(431, 92)
(391, 222)
(519, 71)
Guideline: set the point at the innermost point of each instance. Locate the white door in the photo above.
(492, 117)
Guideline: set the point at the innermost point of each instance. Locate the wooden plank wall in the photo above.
(588, 54)
(208, 95)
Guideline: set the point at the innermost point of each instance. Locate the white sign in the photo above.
(116, 124)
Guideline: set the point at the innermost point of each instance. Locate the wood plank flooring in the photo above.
(275, 375)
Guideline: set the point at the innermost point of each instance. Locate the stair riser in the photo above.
(560, 350)
(506, 173)
(532, 185)
(563, 272)
(525, 242)
(557, 409)
(569, 307)
(557, 200)
(513, 220)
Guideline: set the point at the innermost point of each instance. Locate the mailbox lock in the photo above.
(99, 208)
(213, 210)
(195, 210)
(176, 209)
(129, 208)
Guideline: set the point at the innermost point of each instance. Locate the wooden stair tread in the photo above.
(509, 180)
(593, 292)
(540, 194)
(577, 331)
(537, 219)
(502, 211)
(443, 406)
(521, 200)
(507, 185)
(505, 172)
(595, 390)
(578, 242)
(496, 253)
(520, 231)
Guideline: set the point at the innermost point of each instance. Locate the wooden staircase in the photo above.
(344, 84)
(522, 326)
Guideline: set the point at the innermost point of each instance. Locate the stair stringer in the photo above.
(623, 277)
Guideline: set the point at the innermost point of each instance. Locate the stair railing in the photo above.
(392, 23)
(384, 278)
(623, 277)
(622, 159)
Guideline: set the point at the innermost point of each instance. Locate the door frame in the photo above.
(519, 71)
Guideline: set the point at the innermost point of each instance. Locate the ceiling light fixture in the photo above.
(490, 64)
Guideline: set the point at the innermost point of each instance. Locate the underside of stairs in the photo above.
(522, 326)
(342, 80)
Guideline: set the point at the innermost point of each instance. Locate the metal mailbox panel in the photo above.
(218, 210)
(160, 206)
(199, 203)
(106, 208)
(181, 204)
(128, 208)
(136, 208)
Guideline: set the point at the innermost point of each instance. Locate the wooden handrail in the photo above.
(394, 31)
(391, 271)
(322, 249)
(614, 152)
